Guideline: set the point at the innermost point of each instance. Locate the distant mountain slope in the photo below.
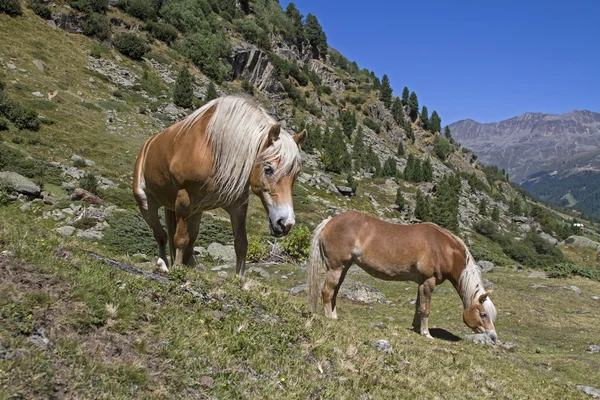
(554, 156)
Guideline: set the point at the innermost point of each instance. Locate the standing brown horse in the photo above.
(210, 160)
(423, 253)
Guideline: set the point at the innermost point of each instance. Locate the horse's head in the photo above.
(481, 314)
(273, 176)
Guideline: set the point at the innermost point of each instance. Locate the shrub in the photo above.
(97, 25)
(486, 228)
(142, 9)
(11, 7)
(3, 124)
(369, 123)
(206, 51)
(89, 6)
(442, 147)
(97, 50)
(252, 32)
(247, 86)
(164, 32)
(5, 191)
(565, 270)
(258, 249)
(79, 163)
(21, 116)
(90, 183)
(131, 45)
(40, 9)
(128, 233)
(297, 243)
(85, 223)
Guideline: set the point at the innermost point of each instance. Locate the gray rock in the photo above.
(487, 284)
(51, 24)
(200, 252)
(20, 184)
(218, 252)
(537, 274)
(39, 64)
(57, 215)
(251, 63)
(595, 298)
(378, 324)
(222, 274)
(485, 266)
(37, 94)
(90, 235)
(580, 241)
(520, 219)
(538, 286)
(48, 200)
(68, 185)
(525, 228)
(590, 391)
(574, 289)
(74, 173)
(382, 345)
(550, 239)
(479, 338)
(345, 190)
(352, 290)
(594, 349)
(508, 345)
(259, 271)
(25, 207)
(66, 230)
(39, 338)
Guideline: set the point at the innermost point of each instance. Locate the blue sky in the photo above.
(473, 59)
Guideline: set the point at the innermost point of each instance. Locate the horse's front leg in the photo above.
(423, 304)
(237, 214)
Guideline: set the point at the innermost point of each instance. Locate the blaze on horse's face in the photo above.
(477, 318)
(274, 187)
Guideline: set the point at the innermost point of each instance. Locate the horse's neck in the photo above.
(469, 283)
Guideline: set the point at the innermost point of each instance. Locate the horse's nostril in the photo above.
(281, 223)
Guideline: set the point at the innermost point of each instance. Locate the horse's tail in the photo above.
(315, 262)
(171, 223)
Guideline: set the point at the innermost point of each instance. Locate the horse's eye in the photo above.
(483, 315)
(269, 169)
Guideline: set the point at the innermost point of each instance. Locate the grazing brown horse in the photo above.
(423, 253)
(210, 160)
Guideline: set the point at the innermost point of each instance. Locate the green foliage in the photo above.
(286, 69)
(252, 32)
(515, 206)
(11, 7)
(247, 86)
(258, 249)
(85, 223)
(426, 171)
(409, 131)
(162, 31)
(422, 207)
(190, 16)
(89, 6)
(90, 182)
(40, 9)
(398, 111)
(315, 36)
(297, 31)
(413, 104)
(425, 118)
(131, 45)
(372, 160)
(566, 270)
(493, 173)
(447, 133)
(385, 91)
(390, 168)
(358, 149)
(400, 202)
(496, 214)
(405, 96)
(444, 211)
(297, 243)
(412, 170)
(483, 207)
(369, 123)
(400, 150)
(207, 51)
(183, 93)
(348, 121)
(314, 138)
(23, 117)
(486, 228)
(141, 9)
(98, 49)
(214, 231)
(128, 233)
(335, 155)
(352, 182)
(435, 123)
(442, 147)
(38, 171)
(5, 191)
(211, 92)
(3, 124)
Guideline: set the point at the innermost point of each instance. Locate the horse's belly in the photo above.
(391, 272)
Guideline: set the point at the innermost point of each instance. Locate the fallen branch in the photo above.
(128, 268)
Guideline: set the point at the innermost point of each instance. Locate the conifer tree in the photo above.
(348, 121)
(447, 133)
(422, 208)
(400, 149)
(315, 35)
(358, 149)
(444, 211)
(413, 171)
(385, 91)
(405, 94)
(515, 207)
(495, 214)
(413, 104)
(314, 138)
(435, 122)
(183, 93)
(296, 18)
(390, 168)
(335, 156)
(399, 199)
(483, 207)
(426, 171)
(397, 111)
(351, 182)
(409, 131)
(425, 118)
(372, 160)
(211, 92)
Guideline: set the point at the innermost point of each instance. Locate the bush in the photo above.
(3, 124)
(40, 9)
(21, 116)
(131, 45)
(5, 191)
(486, 228)
(97, 50)
(297, 243)
(128, 233)
(248, 87)
(142, 9)
(164, 32)
(206, 51)
(97, 25)
(11, 7)
(85, 223)
(258, 249)
(442, 147)
(90, 183)
(89, 6)
(369, 123)
(565, 270)
(252, 32)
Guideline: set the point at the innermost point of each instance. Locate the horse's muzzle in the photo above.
(281, 227)
(493, 336)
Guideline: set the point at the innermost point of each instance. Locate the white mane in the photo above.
(237, 131)
(471, 285)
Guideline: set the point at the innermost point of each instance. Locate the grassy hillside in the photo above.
(74, 327)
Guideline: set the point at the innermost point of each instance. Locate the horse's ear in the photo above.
(484, 296)
(299, 138)
(274, 133)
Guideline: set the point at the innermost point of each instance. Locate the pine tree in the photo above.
(409, 131)
(496, 214)
(483, 207)
(400, 149)
(358, 149)
(183, 93)
(351, 182)
(314, 138)
(385, 92)
(515, 207)
(348, 121)
(316, 37)
(211, 92)
(335, 155)
(447, 133)
(425, 118)
(296, 17)
(444, 211)
(390, 168)
(422, 208)
(372, 160)
(400, 199)
(412, 171)
(435, 122)
(397, 111)
(426, 171)
(413, 104)
(405, 94)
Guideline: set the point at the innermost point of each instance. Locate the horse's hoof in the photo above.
(161, 266)
(427, 335)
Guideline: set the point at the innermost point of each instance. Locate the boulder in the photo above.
(84, 195)
(345, 190)
(486, 266)
(550, 239)
(90, 235)
(200, 252)
(352, 290)
(580, 241)
(590, 391)
(66, 230)
(382, 345)
(520, 219)
(252, 64)
(525, 228)
(218, 252)
(259, 271)
(20, 184)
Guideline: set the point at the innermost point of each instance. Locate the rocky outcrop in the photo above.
(251, 63)
(580, 241)
(20, 184)
(71, 22)
(328, 76)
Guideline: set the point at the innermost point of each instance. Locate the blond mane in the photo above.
(237, 131)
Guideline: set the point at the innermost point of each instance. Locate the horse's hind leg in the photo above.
(149, 212)
(183, 214)
(193, 226)
(421, 320)
(333, 281)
